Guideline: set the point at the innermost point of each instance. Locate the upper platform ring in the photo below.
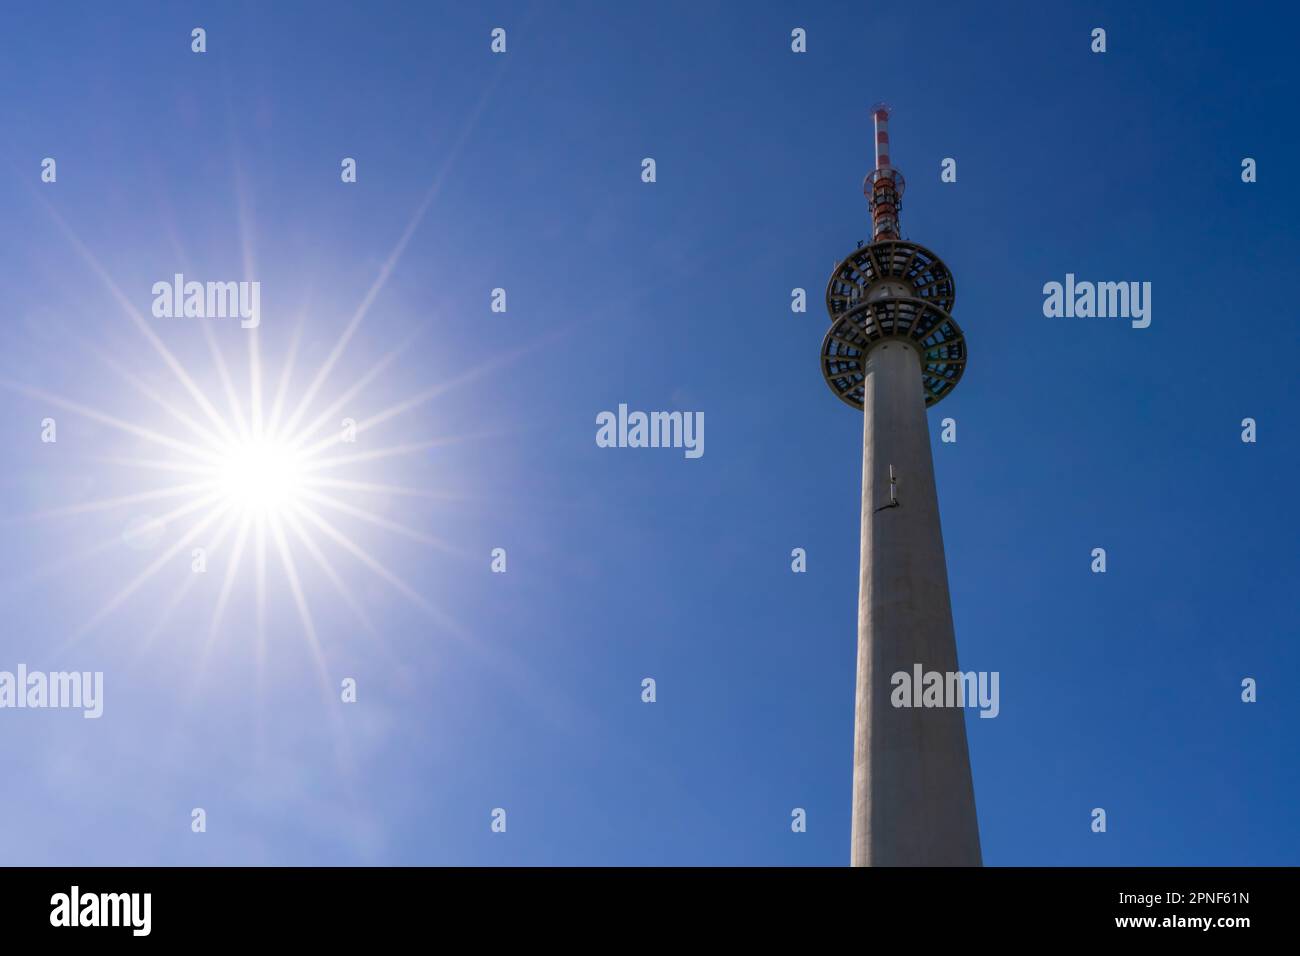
(896, 259)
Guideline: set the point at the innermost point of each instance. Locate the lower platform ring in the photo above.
(930, 330)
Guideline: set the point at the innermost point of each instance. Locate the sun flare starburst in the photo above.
(254, 485)
(260, 474)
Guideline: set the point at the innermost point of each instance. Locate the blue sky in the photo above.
(522, 690)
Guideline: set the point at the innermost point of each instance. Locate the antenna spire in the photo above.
(884, 185)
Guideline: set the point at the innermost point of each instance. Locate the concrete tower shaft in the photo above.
(913, 798)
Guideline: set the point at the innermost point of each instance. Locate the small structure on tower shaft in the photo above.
(893, 350)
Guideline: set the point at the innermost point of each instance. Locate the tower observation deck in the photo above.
(893, 350)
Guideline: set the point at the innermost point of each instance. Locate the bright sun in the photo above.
(263, 477)
(260, 479)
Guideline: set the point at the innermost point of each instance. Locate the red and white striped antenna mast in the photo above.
(884, 185)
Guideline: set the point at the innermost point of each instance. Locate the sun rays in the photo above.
(259, 489)
(259, 468)
(292, 477)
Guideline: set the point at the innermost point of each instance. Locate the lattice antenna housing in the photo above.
(890, 289)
